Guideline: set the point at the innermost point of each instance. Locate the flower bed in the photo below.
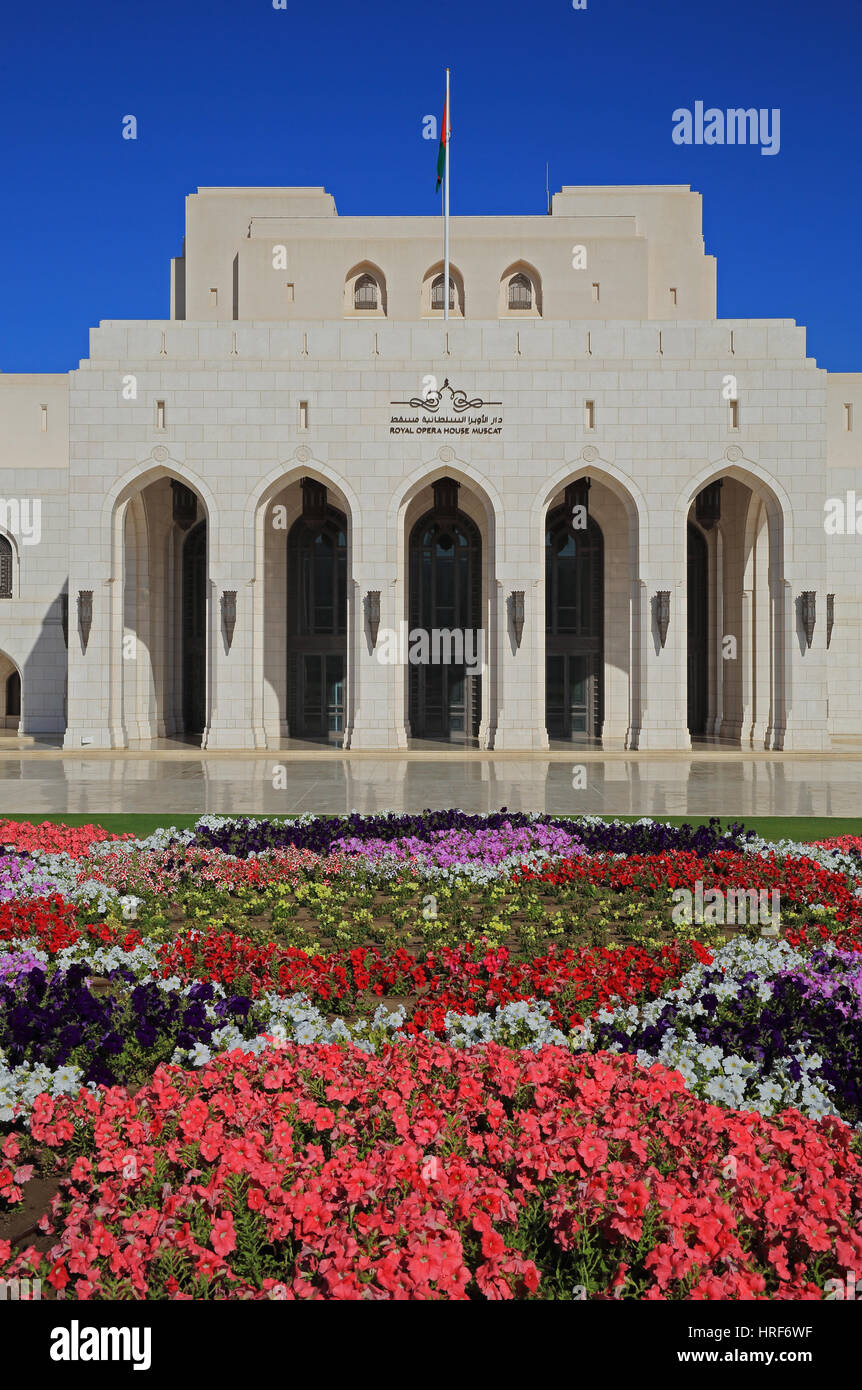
(428, 1173)
(440, 1056)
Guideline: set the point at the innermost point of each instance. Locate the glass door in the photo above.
(574, 628)
(317, 627)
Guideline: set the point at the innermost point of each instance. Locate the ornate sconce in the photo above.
(64, 618)
(807, 608)
(228, 614)
(315, 502)
(445, 498)
(85, 615)
(577, 495)
(707, 505)
(830, 617)
(185, 505)
(372, 614)
(516, 606)
(662, 613)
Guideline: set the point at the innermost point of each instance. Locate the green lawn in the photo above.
(770, 827)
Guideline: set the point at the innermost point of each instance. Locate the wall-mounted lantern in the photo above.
(372, 614)
(516, 606)
(64, 617)
(807, 608)
(85, 615)
(445, 498)
(662, 613)
(185, 505)
(578, 495)
(315, 502)
(707, 505)
(228, 614)
(830, 617)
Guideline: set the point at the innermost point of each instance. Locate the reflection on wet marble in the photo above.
(176, 778)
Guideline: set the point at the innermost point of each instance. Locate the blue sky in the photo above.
(334, 94)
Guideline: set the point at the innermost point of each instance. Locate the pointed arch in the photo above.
(520, 294)
(432, 292)
(365, 292)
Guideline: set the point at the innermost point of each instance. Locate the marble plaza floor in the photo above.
(172, 776)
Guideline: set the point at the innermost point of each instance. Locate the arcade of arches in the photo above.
(311, 625)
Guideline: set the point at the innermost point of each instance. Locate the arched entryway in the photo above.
(162, 618)
(736, 614)
(445, 620)
(698, 631)
(574, 620)
(10, 694)
(317, 618)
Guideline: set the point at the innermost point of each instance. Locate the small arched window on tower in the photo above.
(5, 568)
(520, 292)
(365, 293)
(437, 293)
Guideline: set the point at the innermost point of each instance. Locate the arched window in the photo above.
(5, 568)
(437, 293)
(520, 292)
(365, 293)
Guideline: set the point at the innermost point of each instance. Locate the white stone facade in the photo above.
(616, 370)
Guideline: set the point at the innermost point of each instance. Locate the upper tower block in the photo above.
(284, 253)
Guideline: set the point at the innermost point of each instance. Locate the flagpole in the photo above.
(446, 208)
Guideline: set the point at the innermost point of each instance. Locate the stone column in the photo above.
(230, 670)
(663, 670)
(520, 683)
(92, 673)
(376, 674)
(802, 670)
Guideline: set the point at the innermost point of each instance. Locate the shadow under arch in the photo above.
(136, 479)
(753, 476)
(619, 483)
